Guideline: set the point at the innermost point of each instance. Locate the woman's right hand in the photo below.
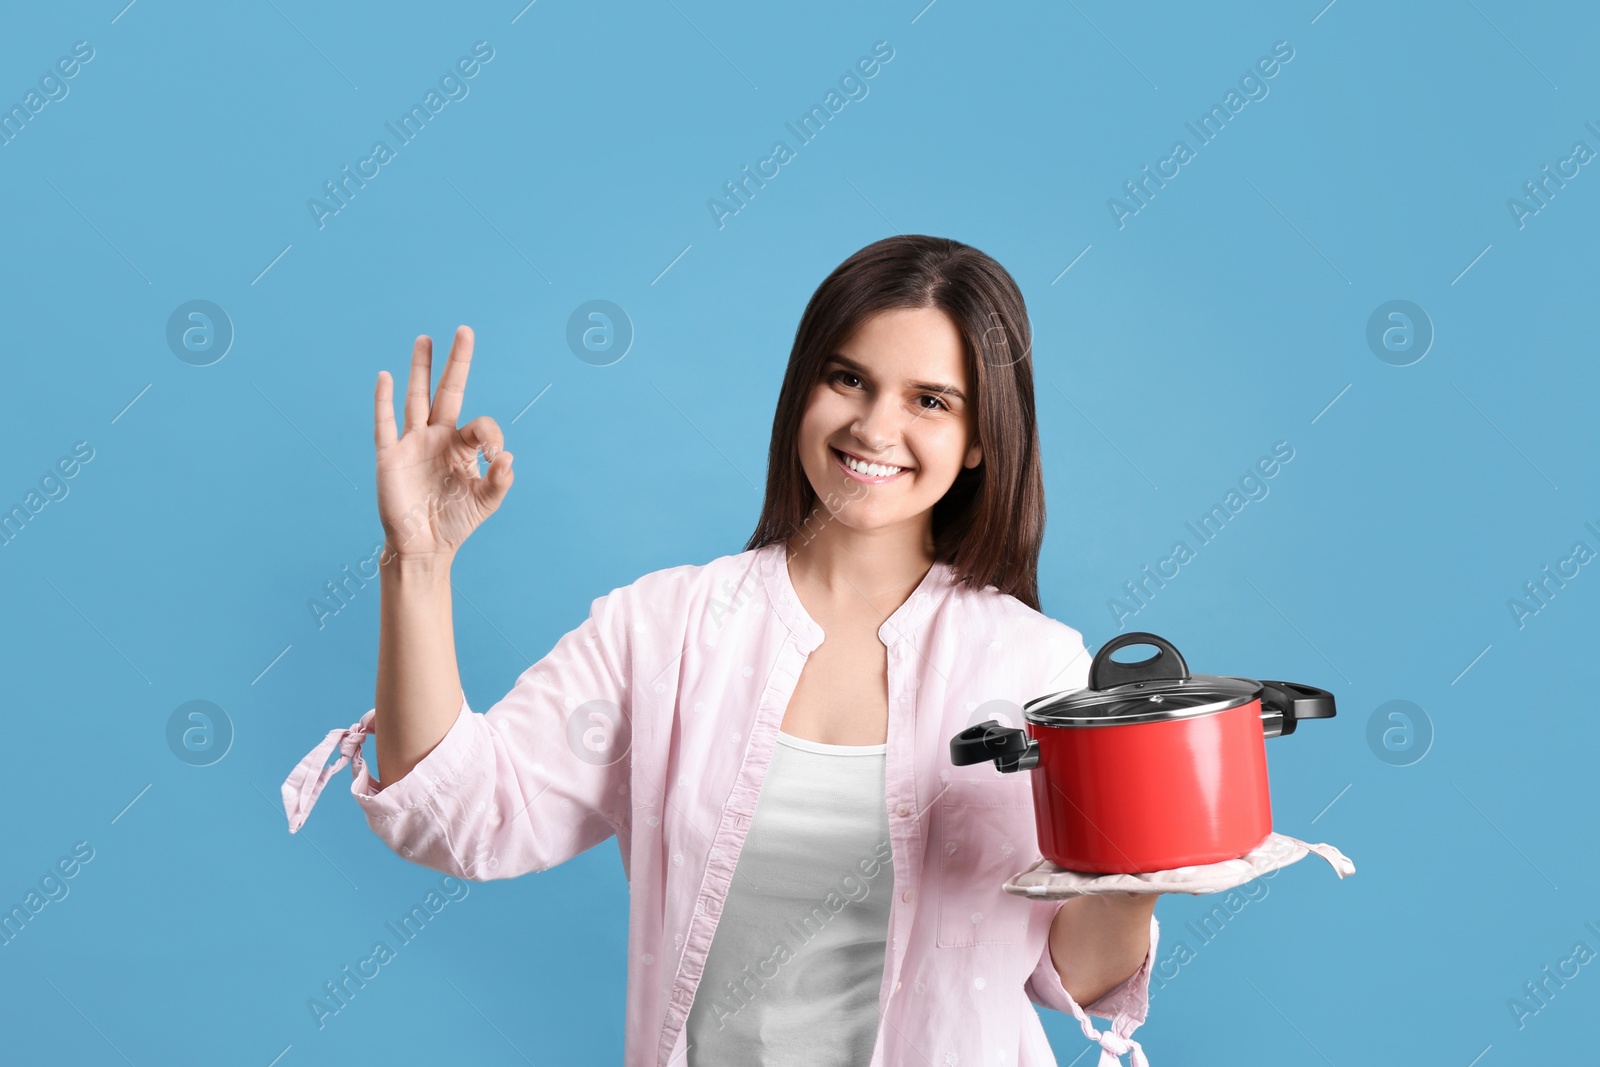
(430, 494)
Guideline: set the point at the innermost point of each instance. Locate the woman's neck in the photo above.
(839, 565)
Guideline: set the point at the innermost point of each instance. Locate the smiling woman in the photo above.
(917, 353)
(852, 415)
(771, 716)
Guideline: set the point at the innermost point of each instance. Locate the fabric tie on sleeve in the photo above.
(1112, 1045)
(306, 781)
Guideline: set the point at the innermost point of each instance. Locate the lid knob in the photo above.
(1166, 664)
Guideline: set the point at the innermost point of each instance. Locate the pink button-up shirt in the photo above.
(655, 721)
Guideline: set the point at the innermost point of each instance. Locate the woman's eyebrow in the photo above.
(921, 387)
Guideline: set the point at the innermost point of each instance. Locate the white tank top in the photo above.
(795, 965)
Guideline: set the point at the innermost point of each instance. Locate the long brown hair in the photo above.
(990, 523)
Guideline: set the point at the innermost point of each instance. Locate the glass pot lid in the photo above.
(1150, 690)
(1199, 694)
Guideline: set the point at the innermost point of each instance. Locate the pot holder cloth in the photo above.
(1045, 881)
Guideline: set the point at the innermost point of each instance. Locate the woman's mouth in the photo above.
(862, 471)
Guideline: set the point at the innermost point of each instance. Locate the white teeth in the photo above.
(871, 470)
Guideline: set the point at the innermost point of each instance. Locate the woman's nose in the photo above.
(877, 425)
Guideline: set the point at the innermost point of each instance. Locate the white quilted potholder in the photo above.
(1045, 881)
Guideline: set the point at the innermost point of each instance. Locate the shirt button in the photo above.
(906, 896)
(904, 809)
(897, 987)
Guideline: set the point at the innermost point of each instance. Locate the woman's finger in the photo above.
(496, 481)
(483, 434)
(453, 382)
(417, 383)
(383, 431)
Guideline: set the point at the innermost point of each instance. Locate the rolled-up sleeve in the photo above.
(540, 777)
(1126, 1004)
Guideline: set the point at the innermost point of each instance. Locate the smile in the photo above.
(861, 471)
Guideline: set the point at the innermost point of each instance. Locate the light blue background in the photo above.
(1228, 314)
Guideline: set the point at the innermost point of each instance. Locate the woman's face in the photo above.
(895, 394)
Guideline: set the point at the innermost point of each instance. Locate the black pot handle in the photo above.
(1105, 672)
(1011, 749)
(1291, 702)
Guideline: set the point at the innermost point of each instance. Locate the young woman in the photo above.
(767, 735)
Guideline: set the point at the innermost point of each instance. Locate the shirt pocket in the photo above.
(985, 835)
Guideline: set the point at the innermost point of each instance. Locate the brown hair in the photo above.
(990, 523)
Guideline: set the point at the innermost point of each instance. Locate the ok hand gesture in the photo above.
(430, 494)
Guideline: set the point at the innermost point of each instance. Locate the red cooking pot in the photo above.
(1149, 767)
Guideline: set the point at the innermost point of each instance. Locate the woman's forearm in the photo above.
(419, 684)
(1098, 942)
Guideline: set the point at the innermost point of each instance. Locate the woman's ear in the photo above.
(974, 457)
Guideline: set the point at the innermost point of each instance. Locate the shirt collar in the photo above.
(773, 563)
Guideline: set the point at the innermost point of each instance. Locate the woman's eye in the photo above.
(841, 375)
